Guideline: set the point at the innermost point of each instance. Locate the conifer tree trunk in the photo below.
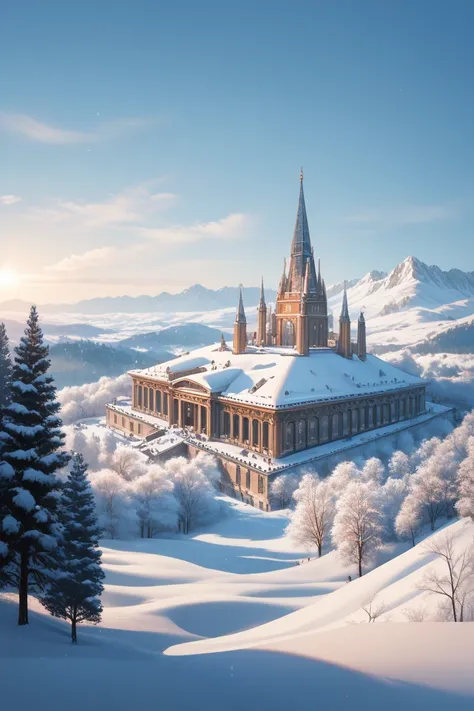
(23, 588)
(73, 627)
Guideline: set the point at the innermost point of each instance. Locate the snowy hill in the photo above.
(188, 335)
(230, 612)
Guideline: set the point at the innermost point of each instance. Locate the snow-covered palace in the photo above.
(280, 397)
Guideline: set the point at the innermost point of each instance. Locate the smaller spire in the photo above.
(240, 315)
(301, 175)
(361, 317)
(345, 307)
(262, 303)
(283, 278)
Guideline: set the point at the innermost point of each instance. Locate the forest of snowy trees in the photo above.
(361, 506)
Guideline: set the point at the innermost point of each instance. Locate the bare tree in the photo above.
(415, 614)
(373, 610)
(314, 513)
(357, 530)
(283, 488)
(456, 583)
(129, 463)
(409, 519)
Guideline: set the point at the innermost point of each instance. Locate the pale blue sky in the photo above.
(147, 145)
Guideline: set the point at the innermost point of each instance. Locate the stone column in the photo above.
(231, 434)
(180, 413)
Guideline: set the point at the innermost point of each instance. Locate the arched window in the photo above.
(226, 423)
(247, 479)
(355, 421)
(135, 396)
(422, 402)
(158, 401)
(362, 416)
(265, 434)
(289, 436)
(289, 334)
(377, 415)
(393, 414)
(237, 475)
(261, 484)
(324, 429)
(345, 423)
(165, 403)
(140, 396)
(370, 417)
(236, 426)
(145, 398)
(302, 433)
(245, 429)
(386, 413)
(402, 409)
(313, 430)
(152, 400)
(335, 426)
(255, 432)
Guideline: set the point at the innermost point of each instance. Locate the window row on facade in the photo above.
(154, 401)
(302, 433)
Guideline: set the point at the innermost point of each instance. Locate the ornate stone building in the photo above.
(285, 393)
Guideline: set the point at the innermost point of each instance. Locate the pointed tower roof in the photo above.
(361, 317)
(307, 276)
(282, 285)
(301, 248)
(262, 303)
(240, 315)
(345, 308)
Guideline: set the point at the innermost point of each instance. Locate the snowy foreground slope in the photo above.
(228, 619)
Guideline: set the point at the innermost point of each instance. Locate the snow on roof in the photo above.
(278, 377)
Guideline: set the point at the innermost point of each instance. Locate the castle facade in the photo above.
(290, 389)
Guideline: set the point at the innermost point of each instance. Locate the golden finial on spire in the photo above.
(301, 175)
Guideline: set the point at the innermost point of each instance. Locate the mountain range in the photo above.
(195, 298)
(410, 306)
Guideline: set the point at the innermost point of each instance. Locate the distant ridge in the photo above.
(195, 298)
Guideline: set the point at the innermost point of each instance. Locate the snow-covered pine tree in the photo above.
(31, 455)
(5, 380)
(5, 369)
(76, 582)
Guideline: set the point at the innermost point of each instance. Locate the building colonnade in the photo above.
(273, 433)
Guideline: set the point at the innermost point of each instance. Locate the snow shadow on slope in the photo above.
(222, 557)
(213, 619)
(251, 680)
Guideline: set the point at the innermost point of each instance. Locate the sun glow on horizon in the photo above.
(8, 277)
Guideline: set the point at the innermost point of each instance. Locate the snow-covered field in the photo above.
(231, 618)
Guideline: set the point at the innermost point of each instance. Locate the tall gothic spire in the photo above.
(240, 315)
(240, 327)
(345, 308)
(301, 249)
(262, 296)
(262, 319)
